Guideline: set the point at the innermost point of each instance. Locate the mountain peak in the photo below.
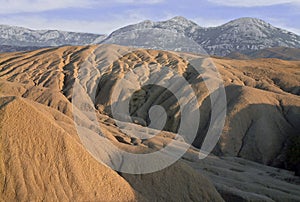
(179, 23)
(146, 22)
(179, 19)
(182, 21)
(247, 21)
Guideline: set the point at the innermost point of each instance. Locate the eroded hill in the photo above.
(41, 152)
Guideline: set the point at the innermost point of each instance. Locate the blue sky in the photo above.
(99, 16)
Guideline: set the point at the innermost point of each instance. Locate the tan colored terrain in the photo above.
(283, 53)
(42, 157)
(41, 161)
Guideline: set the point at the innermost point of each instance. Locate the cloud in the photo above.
(33, 6)
(15, 6)
(253, 3)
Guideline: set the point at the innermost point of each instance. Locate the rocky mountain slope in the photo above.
(19, 37)
(36, 87)
(243, 34)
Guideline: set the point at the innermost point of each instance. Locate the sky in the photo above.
(104, 16)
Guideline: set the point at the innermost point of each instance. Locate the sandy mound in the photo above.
(41, 161)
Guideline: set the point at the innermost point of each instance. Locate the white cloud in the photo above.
(253, 3)
(15, 6)
(19, 6)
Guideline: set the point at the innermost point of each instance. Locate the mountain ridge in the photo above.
(21, 36)
(177, 34)
(237, 35)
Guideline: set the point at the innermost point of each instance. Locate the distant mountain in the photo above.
(167, 35)
(177, 34)
(19, 37)
(243, 34)
(177, 24)
(283, 53)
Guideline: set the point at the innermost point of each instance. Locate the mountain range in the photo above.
(19, 36)
(178, 34)
(243, 34)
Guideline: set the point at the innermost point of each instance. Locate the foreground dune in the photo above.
(42, 161)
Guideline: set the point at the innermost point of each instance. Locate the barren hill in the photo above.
(43, 158)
